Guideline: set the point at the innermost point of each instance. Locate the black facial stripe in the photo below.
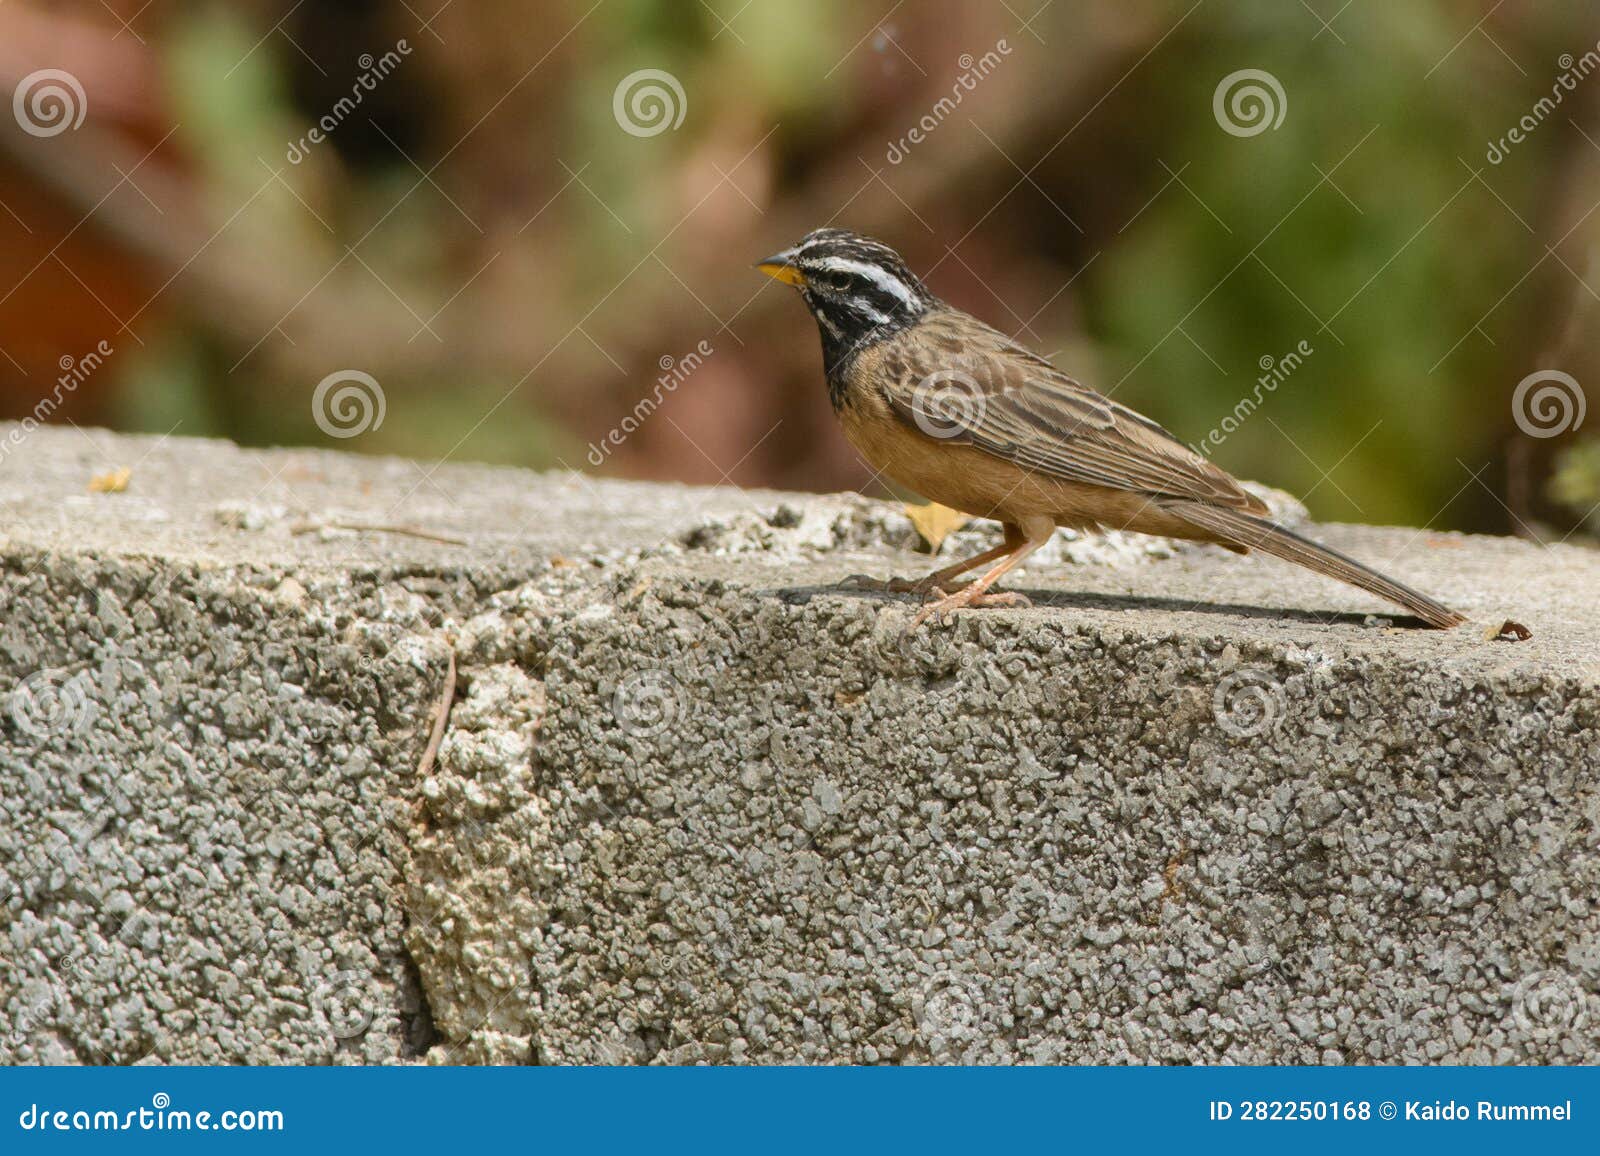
(860, 295)
(873, 307)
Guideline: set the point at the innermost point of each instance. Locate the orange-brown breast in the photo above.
(968, 479)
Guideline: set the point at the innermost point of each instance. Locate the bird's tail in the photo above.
(1234, 526)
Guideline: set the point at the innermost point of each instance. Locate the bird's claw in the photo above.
(886, 585)
(967, 597)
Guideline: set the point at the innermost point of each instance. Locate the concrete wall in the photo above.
(694, 802)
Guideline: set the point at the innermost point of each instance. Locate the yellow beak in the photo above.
(781, 267)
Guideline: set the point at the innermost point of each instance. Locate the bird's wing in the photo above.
(964, 382)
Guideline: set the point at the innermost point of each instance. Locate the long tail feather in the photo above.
(1271, 538)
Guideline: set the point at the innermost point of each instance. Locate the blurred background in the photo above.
(1296, 233)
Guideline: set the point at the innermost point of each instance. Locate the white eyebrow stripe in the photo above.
(884, 280)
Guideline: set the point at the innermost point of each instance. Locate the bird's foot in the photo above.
(968, 597)
(888, 585)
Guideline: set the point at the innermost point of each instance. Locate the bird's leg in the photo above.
(941, 578)
(938, 578)
(976, 594)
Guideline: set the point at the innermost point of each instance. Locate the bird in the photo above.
(967, 417)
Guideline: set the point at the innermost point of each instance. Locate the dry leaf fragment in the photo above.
(935, 522)
(113, 483)
(1509, 632)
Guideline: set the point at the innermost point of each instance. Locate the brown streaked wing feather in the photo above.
(1037, 417)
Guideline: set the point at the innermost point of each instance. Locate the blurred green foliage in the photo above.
(558, 258)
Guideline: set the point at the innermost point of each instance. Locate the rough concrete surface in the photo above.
(695, 802)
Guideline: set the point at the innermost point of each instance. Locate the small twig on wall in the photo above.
(441, 715)
(375, 528)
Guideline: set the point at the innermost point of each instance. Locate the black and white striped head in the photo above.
(858, 289)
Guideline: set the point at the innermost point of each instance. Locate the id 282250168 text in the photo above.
(1423, 1111)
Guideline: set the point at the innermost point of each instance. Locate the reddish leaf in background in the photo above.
(65, 284)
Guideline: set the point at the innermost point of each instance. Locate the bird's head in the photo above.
(858, 289)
